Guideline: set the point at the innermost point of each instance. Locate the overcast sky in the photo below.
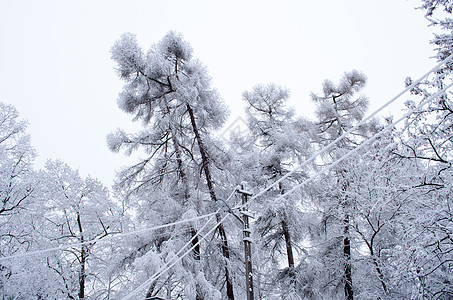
(55, 64)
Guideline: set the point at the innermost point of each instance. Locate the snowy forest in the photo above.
(345, 205)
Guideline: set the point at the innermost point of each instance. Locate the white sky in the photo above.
(55, 64)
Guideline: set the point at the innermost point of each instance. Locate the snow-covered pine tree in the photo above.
(169, 91)
(278, 140)
(337, 111)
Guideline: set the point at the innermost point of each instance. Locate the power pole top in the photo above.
(247, 243)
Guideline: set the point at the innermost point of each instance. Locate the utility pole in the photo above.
(247, 244)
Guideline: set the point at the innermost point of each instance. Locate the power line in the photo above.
(363, 144)
(330, 145)
(332, 165)
(312, 158)
(311, 178)
(105, 239)
(170, 265)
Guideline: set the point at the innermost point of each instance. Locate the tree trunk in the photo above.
(289, 247)
(348, 291)
(220, 228)
(181, 172)
(83, 253)
(82, 275)
(182, 175)
(376, 264)
(196, 251)
(381, 275)
(149, 294)
(287, 235)
(204, 156)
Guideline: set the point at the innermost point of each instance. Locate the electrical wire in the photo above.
(312, 158)
(170, 265)
(330, 145)
(263, 191)
(105, 239)
(363, 144)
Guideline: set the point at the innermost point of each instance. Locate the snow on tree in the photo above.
(17, 185)
(16, 156)
(381, 199)
(170, 93)
(337, 111)
(427, 141)
(75, 210)
(277, 140)
(432, 5)
(377, 226)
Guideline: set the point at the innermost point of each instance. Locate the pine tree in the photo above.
(337, 112)
(170, 93)
(278, 140)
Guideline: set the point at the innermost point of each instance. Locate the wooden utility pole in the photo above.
(247, 244)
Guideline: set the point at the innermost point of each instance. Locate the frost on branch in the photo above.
(173, 45)
(165, 81)
(350, 83)
(128, 55)
(171, 94)
(337, 109)
(432, 5)
(116, 140)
